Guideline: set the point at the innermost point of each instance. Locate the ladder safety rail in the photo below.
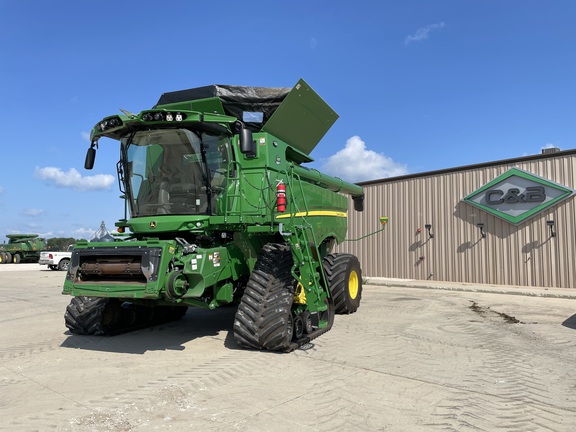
(307, 267)
(233, 177)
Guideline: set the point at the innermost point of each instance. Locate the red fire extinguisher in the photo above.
(281, 197)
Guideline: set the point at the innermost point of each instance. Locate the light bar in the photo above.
(109, 123)
(165, 116)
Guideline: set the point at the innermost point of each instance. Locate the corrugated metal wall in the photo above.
(524, 255)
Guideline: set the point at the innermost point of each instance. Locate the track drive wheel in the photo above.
(344, 277)
(264, 318)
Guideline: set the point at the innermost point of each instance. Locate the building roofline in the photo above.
(470, 167)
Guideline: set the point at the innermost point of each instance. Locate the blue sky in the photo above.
(419, 85)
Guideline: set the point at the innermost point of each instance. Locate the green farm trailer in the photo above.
(22, 248)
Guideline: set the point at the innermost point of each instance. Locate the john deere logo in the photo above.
(518, 195)
(152, 225)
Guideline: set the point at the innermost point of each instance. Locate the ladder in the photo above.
(233, 196)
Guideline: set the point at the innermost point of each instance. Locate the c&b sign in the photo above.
(518, 195)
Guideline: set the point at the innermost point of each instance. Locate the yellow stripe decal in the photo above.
(314, 213)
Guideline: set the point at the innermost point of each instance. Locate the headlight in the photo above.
(168, 116)
(109, 123)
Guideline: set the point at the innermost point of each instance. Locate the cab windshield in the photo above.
(174, 171)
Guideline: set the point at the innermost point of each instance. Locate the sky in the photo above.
(419, 85)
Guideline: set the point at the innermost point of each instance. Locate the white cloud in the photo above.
(85, 233)
(32, 212)
(355, 163)
(549, 146)
(73, 179)
(423, 33)
(85, 136)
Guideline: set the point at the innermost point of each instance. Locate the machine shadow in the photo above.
(197, 323)
(570, 322)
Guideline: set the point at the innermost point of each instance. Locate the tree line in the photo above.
(60, 243)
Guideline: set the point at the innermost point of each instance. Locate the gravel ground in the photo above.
(412, 358)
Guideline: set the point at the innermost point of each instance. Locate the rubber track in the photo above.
(84, 316)
(263, 319)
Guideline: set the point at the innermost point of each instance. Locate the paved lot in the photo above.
(411, 359)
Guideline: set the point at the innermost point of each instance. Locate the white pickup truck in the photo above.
(56, 260)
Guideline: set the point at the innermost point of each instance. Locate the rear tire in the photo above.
(3, 258)
(16, 259)
(264, 316)
(344, 278)
(63, 264)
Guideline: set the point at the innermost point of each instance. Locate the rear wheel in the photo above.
(344, 278)
(264, 318)
(63, 264)
(8, 257)
(3, 258)
(16, 259)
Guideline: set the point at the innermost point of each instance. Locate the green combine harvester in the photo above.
(23, 248)
(220, 211)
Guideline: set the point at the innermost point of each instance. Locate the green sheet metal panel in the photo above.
(211, 105)
(302, 119)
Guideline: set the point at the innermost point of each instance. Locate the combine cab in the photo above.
(220, 211)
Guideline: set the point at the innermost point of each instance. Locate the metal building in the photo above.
(509, 222)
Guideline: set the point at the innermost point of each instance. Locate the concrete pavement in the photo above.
(415, 357)
(567, 293)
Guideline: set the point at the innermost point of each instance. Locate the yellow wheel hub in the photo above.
(353, 285)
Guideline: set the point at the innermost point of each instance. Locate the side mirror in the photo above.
(247, 144)
(90, 156)
(358, 203)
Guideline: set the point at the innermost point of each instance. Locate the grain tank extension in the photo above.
(220, 211)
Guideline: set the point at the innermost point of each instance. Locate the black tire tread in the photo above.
(336, 268)
(84, 315)
(263, 319)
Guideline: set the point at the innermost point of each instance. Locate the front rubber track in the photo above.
(109, 316)
(264, 318)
